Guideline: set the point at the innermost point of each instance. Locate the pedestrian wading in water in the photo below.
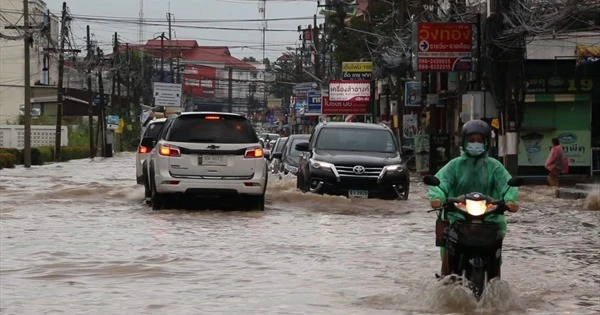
(554, 163)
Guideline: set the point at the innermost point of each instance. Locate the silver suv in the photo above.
(207, 154)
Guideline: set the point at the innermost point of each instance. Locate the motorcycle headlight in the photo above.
(475, 207)
(394, 168)
(321, 165)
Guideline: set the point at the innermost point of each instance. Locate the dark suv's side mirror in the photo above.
(302, 147)
(276, 156)
(148, 142)
(135, 142)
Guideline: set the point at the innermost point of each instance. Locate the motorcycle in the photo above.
(474, 246)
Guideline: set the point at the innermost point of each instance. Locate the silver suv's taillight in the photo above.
(169, 150)
(254, 152)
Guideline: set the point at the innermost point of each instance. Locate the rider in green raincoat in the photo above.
(473, 171)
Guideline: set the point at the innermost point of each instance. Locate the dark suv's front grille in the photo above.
(358, 170)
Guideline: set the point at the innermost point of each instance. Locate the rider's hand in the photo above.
(512, 206)
(436, 203)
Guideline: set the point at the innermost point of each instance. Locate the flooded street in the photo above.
(77, 238)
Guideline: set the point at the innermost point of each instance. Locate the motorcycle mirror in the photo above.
(516, 182)
(431, 180)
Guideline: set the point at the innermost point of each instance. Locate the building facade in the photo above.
(44, 65)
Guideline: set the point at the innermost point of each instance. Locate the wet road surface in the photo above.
(76, 238)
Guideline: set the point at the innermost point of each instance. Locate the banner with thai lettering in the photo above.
(535, 146)
(350, 91)
(199, 81)
(342, 108)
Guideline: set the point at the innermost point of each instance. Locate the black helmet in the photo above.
(479, 127)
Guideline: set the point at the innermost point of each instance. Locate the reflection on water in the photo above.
(76, 237)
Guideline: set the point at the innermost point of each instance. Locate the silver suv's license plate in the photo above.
(353, 193)
(219, 160)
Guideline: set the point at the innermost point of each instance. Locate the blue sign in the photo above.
(112, 120)
(96, 99)
(412, 94)
(313, 102)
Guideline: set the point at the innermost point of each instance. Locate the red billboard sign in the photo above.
(199, 81)
(342, 108)
(444, 47)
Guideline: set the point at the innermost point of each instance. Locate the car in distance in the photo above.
(276, 163)
(207, 154)
(290, 156)
(358, 160)
(153, 129)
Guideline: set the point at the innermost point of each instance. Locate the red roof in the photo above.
(215, 54)
(186, 43)
(190, 50)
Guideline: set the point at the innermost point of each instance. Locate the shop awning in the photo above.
(556, 98)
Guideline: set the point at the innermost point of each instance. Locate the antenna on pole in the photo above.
(262, 9)
(141, 23)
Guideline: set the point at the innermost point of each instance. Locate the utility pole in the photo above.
(262, 9)
(27, 88)
(162, 57)
(400, 83)
(230, 92)
(315, 40)
(91, 99)
(170, 43)
(101, 121)
(61, 72)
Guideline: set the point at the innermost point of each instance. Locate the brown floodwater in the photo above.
(76, 238)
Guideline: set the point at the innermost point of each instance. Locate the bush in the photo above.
(47, 154)
(41, 155)
(16, 152)
(74, 152)
(7, 160)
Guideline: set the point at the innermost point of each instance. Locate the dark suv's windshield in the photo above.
(364, 140)
(212, 129)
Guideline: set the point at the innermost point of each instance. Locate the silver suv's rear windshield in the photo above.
(205, 128)
(363, 140)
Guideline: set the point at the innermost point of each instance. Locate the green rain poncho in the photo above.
(466, 174)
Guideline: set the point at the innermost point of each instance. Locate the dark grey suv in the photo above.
(357, 160)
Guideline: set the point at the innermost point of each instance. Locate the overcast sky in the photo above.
(276, 41)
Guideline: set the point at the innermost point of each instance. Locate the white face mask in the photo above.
(475, 148)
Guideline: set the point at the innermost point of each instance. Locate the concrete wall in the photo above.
(12, 136)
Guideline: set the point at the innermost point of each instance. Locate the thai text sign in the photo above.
(357, 70)
(314, 103)
(342, 108)
(535, 147)
(444, 47)
(350, 91)
(167, 94)
(199, 81)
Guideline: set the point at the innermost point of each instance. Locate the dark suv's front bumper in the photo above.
(378, 181)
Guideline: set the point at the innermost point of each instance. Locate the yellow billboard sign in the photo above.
(357, 67)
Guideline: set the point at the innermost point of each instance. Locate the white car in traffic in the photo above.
(207, 154)
(153, 129)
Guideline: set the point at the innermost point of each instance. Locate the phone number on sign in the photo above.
(447, 67)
